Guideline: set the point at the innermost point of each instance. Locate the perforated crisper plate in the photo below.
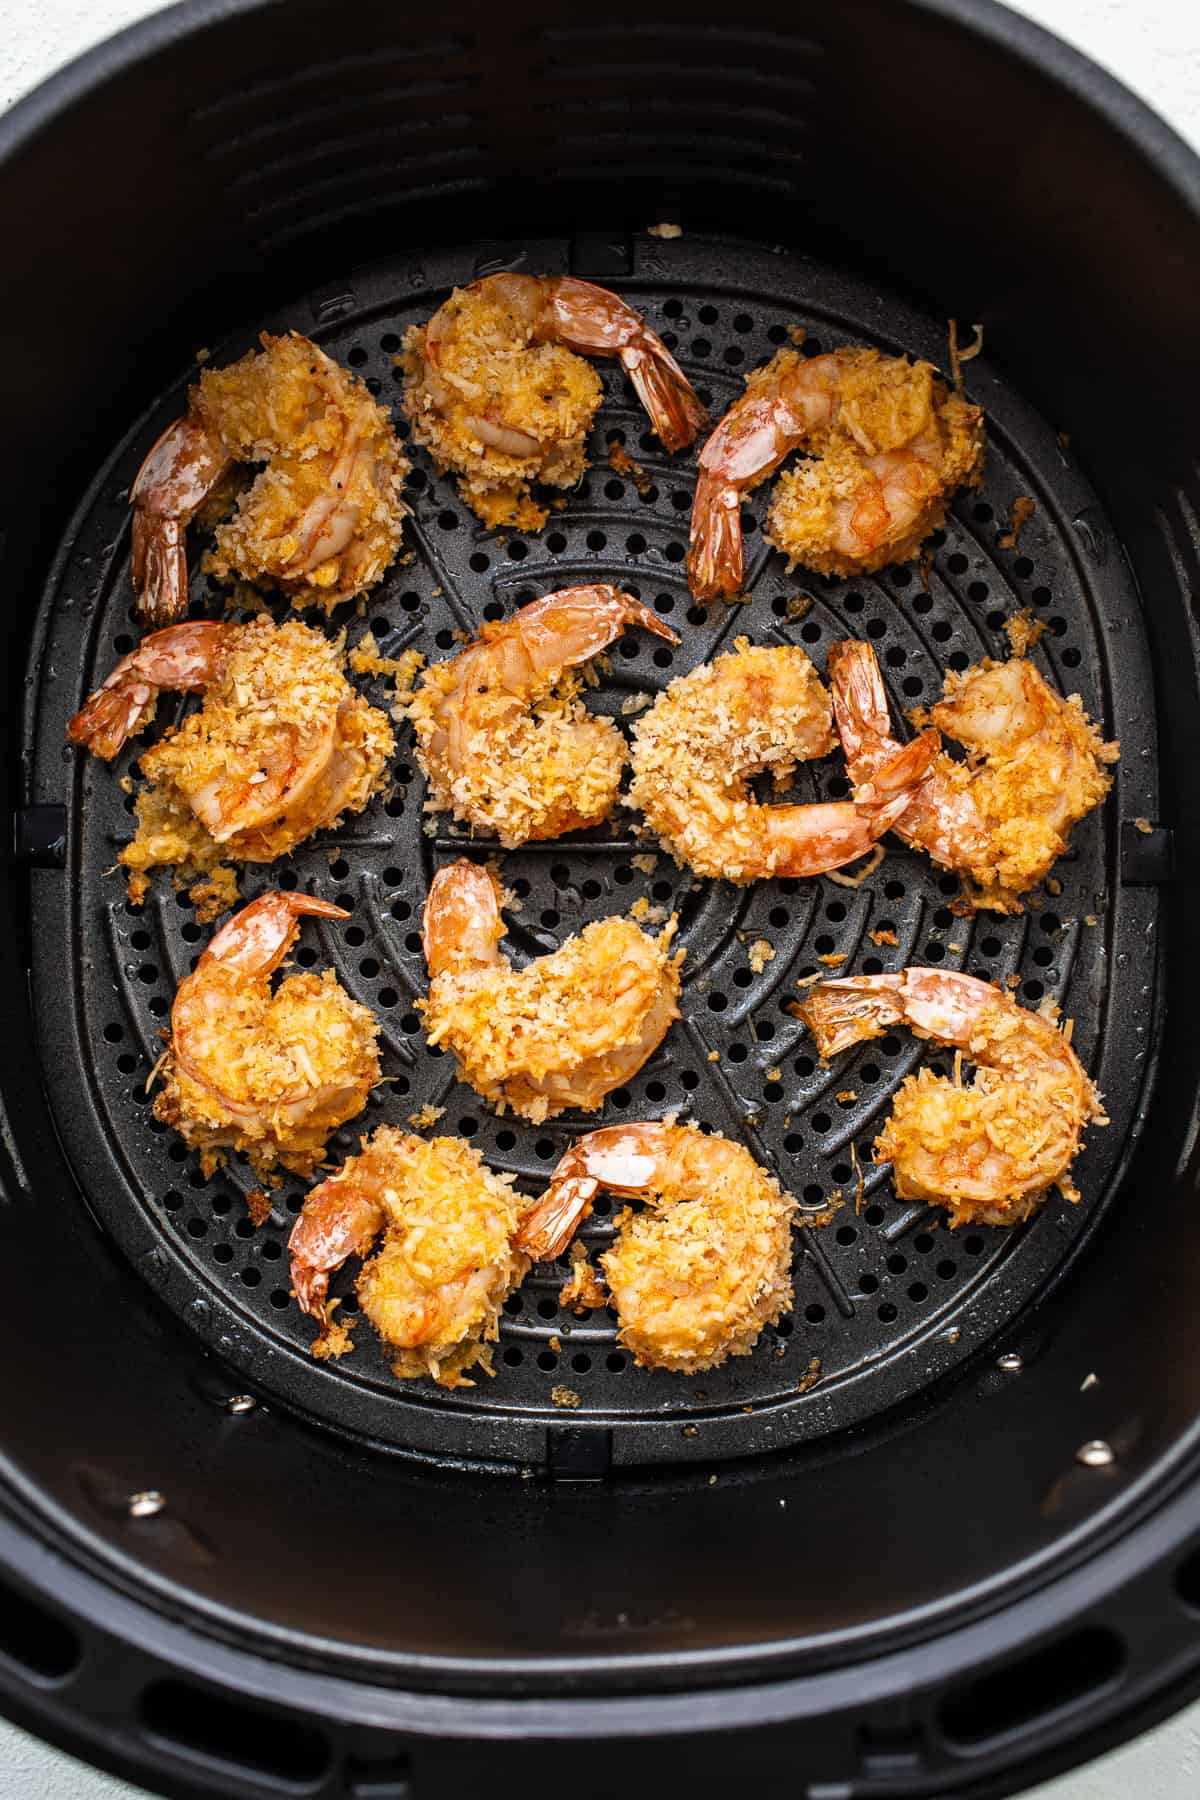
(886, 1300)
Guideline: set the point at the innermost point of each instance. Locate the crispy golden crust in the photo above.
(490, 368)
(435, 1287)
(990, 1150)
(706, 1265)
(932, 441)
(1032, 783)
(567, 1029)
(282, 711)
(525, 773)
(275, 1073)
(292, 409)
(694, 752)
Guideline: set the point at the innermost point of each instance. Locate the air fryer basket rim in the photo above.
(1007, 29)
(1128, 1579)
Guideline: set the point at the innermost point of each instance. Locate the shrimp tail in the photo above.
(182, 469)
(671, 403)
(159, 566)
(714, 563)
(547, 1230)
(860, 704)
(112, 715)
(337, 1221)
(462, 926)
(256, 940)
(851, 1010)
(902, 772)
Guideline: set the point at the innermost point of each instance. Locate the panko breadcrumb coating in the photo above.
(269, 1074)
(321, 520)
(282, 746)
(756, 709)
(988, 1150)
(696, 1275)
(447, 1264)
(1036, 765)
(495, 392)
(502, 734)
(562, 1032)
(888, 444)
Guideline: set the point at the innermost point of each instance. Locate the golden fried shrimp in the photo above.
(697, 1275)
(888, 444)
(1034, 768)
(321, 520)
(988, 1152)
(269, 1074)
(282, 746)
(447, 1263)
(496, 393)
(502, 735)
(752, 710)
(562, 1032)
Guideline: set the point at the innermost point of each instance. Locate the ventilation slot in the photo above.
(233, 1737)
(1029, 1692)
(36, 1642)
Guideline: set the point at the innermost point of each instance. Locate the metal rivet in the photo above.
(1095, 1454)
(146, 1504)
(241, 1403)
(1010, 1362)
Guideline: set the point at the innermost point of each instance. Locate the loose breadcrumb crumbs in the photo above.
(646, 863)
(665, 230)
(883, 934)
(258, 1206)
(714, 1056)
(811, 1377)
(621, 463)
(565, 1396)
(428, 1115)
(834, 960)
(760, 954)
(1144, 826)
(1023, 509)
(846, 1096)
(635, 703)
(1023, 631)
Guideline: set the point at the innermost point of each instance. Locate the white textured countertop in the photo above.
(1154, 46)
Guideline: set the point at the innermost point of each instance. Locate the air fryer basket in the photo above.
(974, 1537)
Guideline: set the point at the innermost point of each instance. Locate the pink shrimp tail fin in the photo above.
(714, 563)
(112, 715)
(902, 773)
(159, 566)
(548, 1229)
(257, 938)
(672, 404)
(337, 1221)
(849, 1011)
(462, 926)
(860, 705)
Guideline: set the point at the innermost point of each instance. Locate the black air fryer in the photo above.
(940, 1533)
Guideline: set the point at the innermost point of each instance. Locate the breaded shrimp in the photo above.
(269, 1074)
(987, 1152)
(282, 746)
(322, 520)
(447, 1262)
(755, 709)
(562, 1032)
(888, 444)
(496, 393)
(502, 735)
(1035, 767)
(698, 1274)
